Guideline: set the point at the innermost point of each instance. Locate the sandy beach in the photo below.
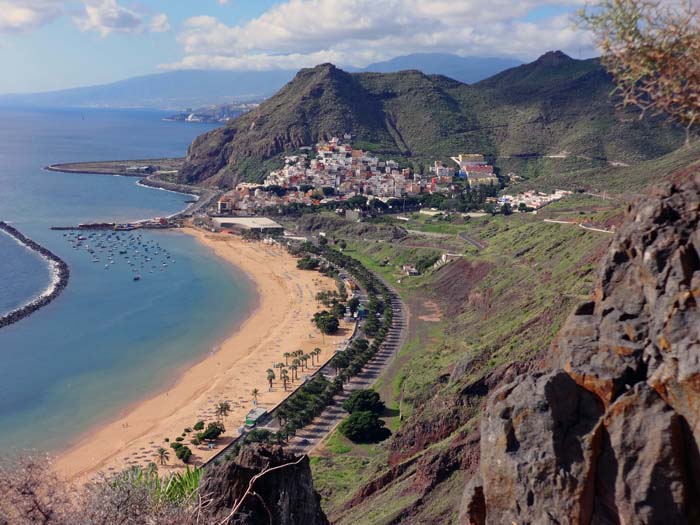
(280, 322)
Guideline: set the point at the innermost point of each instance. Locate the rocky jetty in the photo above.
(61, 280)
(610, 434)
(268, 486)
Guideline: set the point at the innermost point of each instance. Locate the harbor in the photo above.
(122, 248)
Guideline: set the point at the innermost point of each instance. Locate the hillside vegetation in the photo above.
(555, 106)
(470, 319)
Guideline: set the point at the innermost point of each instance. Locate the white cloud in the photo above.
(159, 23)
(298, 33)
(108, 16)
(23, 15)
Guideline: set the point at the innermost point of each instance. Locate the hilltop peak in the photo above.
(553, 58)
(321, 69)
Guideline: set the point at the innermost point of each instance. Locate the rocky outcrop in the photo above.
(281, 493)
(611, 434)
(60, 281)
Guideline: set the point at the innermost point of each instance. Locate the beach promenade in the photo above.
(280, 322)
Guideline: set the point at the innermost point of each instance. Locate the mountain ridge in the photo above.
(552, 105)
(468, 69)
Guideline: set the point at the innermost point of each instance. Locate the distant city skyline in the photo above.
(56, 44)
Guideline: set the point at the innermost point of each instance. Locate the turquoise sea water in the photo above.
(107, 341)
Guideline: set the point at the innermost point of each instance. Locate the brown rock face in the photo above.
(641, 469)
(536, 439)
(611, 435)
(285, 496)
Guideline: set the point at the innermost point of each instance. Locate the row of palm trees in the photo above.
(299, 360)
(310, 400)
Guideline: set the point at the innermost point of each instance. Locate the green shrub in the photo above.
(307, 263)
(364, 427)
(213, 431)
(199, 425)
(364, 401)
(183, 453)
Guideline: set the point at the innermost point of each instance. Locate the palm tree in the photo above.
(316, 352)
(304, 359)
(270, 376)
(222, 409)
(163, 455)
(284, 376)
(286, 355)
(255, 393)
(294, 368)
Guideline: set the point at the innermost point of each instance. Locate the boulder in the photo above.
(284, 496)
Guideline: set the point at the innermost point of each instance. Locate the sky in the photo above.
(55, 44)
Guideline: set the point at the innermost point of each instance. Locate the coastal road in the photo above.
(312, 434)
(205, 195)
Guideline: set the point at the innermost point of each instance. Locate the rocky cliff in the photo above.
(610, 434)
(276, 488)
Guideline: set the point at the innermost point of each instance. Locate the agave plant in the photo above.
(182, 486)
(175, 488)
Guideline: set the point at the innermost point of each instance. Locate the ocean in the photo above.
(108, 341)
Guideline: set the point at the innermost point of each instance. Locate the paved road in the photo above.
(471, 240)
(584, 226)
(310, 436)
(429, 234)
(206, 195)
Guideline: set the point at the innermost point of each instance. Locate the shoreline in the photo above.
(278, 322)
(60, 275)
(113, 168)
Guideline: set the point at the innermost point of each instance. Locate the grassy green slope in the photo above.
(534, 272)
(625, 181)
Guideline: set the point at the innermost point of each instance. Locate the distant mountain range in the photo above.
(555, 106)
(175, 90)
(178, 90)
(464, 69)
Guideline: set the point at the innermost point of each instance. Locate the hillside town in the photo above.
(334, 171)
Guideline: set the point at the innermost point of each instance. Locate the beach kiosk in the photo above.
(254, 416)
